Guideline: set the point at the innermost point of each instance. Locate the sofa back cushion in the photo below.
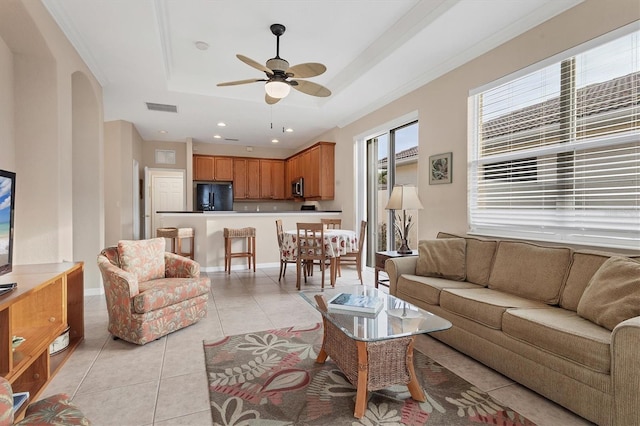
(479, 258)
(530, 271)
(583, 266)
(442, 258)
(142, 258)
(613, 294)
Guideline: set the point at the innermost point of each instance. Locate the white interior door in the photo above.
(164, 192)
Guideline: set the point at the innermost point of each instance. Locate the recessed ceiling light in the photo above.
(221, 124)
(162, 132)
(202, 45)
(275, 140)
(217, 136)
(288, 130)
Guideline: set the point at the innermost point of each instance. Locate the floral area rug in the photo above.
(271, 378)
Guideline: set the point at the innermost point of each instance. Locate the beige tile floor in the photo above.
(164, 382)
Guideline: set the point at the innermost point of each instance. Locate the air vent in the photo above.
(231, 139)
(161, 107)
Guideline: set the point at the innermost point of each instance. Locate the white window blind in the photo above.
(555, 154)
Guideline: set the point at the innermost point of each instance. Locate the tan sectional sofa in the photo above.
(562, 322)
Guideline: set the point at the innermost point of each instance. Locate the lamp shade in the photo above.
(277, 89)
(404, 197)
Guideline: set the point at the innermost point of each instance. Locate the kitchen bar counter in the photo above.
(209, 239)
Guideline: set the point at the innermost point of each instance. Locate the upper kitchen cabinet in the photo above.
(272, 179)
(203, 167)
(316, 165)
(246, 179)
(208, 168)
(223, 168)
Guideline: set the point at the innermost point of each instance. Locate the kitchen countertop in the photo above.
(231, 212)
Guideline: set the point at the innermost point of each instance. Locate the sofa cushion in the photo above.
(613, 294)
(561, 332)
(443, 258)
(531, 271)
(142, 258)
(163, 292)
(583, 266)
(427, 289)
(479, 257)
(483, 305)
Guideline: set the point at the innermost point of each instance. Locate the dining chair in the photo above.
(331, 223)
(283, 258)
(356, 256)
(311, 248)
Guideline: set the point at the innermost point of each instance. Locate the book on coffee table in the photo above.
(356, 303)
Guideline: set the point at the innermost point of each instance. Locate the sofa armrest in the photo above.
(625, 372)
(6, 402)
(398, 266)
(117, 281)
(176, 266)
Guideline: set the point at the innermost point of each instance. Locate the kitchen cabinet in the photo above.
(212, 168)
(272, 179)
(203, 166)
(48, 301)
(223, 168)
(316, 165)
(246, 178)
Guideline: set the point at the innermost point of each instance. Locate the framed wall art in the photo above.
(440, 168)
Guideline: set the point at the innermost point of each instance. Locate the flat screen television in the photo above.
(7, 206)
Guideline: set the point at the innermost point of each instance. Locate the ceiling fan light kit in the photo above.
(277, 89)
(278, 73)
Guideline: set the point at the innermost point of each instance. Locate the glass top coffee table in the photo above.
(374, 351)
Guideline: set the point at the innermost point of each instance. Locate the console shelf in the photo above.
(49, 298)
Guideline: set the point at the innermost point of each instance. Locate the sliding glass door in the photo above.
(392, 159)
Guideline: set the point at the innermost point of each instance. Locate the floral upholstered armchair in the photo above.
(54, 410)
(150, 292)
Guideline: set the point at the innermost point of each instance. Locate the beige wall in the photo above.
(42, 133)
(123, 144)
(8, 157)
(442, 109)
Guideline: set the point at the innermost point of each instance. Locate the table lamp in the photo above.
(404, 197)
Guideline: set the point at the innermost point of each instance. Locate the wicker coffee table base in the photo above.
(371, 366)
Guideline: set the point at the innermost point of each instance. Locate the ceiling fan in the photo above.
(281, 77)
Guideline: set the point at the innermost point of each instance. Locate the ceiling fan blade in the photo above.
(306, 70)
(268, 99)
(255, 64)
(310, 88)
(235, 83)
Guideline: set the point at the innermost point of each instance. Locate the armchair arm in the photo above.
(176, 266)
(117, 281)
(625, 372)
(398, 266)
(6, 402)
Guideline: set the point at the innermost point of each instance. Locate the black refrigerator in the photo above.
(213, 197)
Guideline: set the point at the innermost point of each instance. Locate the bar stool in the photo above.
(176, 235)
(248, 233)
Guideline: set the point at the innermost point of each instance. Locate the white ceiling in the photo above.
(375, 51)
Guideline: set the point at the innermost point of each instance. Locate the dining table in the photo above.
(337, 242)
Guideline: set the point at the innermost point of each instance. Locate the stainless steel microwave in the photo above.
(297, 187)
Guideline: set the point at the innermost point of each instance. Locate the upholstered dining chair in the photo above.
(283, 258)
(331, 223)
(150, 292)
(356, 256)
(312, 248)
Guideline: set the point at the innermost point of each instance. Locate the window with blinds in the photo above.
(554, 154)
